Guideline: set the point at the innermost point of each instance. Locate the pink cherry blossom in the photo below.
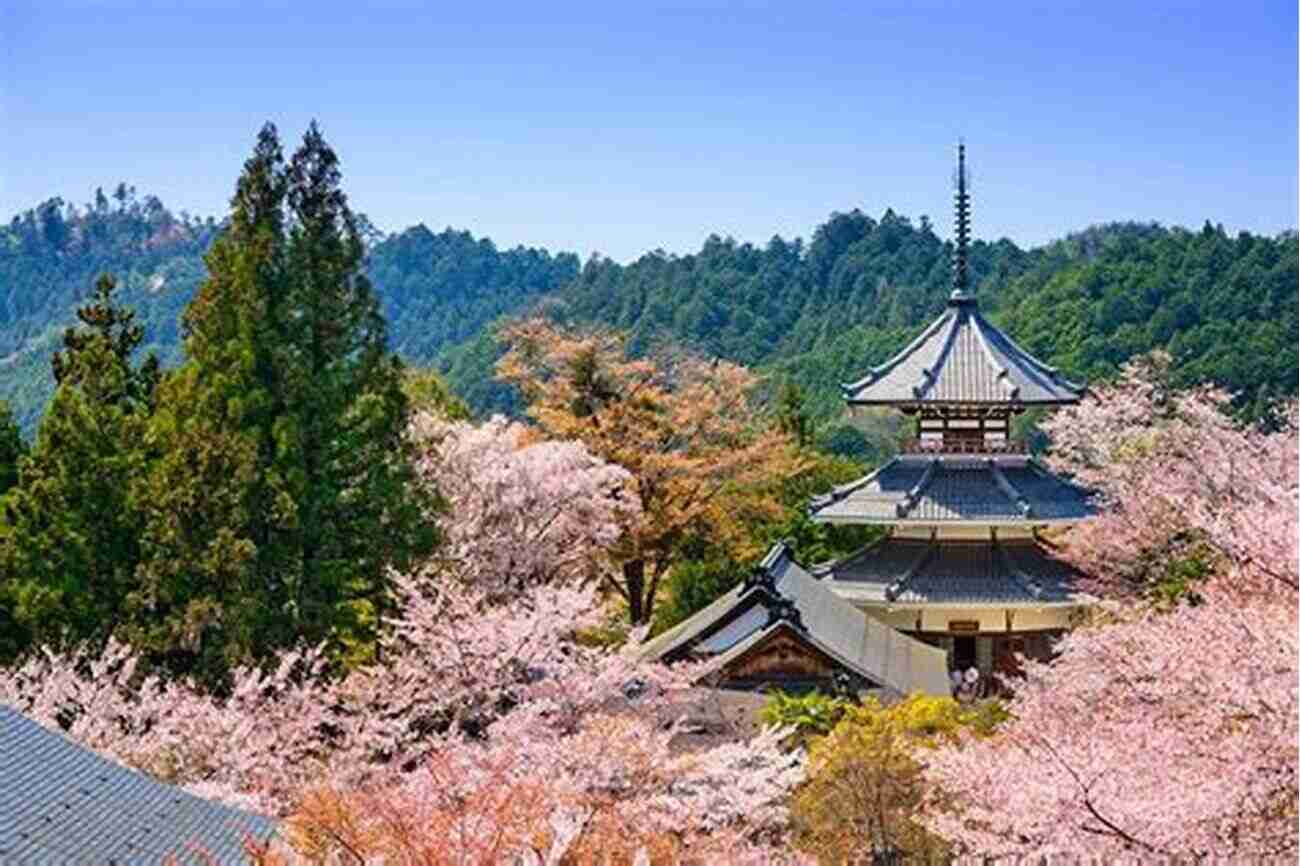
(1156, 735)
(484, 717)
(521, 512)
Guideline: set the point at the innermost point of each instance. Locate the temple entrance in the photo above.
(963, 654)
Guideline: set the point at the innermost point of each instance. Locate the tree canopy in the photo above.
(817, 312)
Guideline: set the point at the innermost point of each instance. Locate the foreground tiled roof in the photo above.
(63, 804)
(999, 489)
(910, 571)
(744, 617)
(962, 359)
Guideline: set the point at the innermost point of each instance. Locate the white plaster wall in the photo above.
(936, 619)
(990, 619)
(1029, 619)
(903, 620)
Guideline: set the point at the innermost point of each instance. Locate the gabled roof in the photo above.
(1001, 489)
(61, 803)
(784, 596)
(962, 359)
(912, 572)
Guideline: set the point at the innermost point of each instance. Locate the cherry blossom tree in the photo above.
(1175, 474)
(523, 511)
(685, 428)
(485, 720)
(1161, 734)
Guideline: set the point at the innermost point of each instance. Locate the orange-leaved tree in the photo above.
(688, 429)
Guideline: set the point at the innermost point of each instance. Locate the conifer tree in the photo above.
(12, 447)
(69, 534)
(285, 494)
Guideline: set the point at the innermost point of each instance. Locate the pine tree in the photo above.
(285, 495)
(69, 535)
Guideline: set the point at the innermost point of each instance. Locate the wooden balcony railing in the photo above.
(965, 446)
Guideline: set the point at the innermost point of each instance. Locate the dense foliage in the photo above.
(50, 258)
(256, 496)
(223, 569)
(821, 313)
(485, 722)
(866, 779)
(818, 312)
(438, 290)
(685, 429)
(70, 534)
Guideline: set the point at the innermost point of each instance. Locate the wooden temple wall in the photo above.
(780, 658)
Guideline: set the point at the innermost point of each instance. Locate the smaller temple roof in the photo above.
(781, 595)
(62, 803)
(913, 572)
(962, 359)
(949, 489)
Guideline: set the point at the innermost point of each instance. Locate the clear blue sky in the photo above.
(623, 126)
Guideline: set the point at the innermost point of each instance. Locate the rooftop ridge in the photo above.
(896, 587)
(928, 376)
(881, 369)
(1031, 585)
(1003, 377)
(914, 494)
(1005, 485)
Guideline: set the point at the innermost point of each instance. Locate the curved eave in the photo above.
(931, 521)
(976, 362)
(1007, 403)
(875, 374)
(1079, 601)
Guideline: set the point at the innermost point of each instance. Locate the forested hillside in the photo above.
(436, 289)
(1225, 308)
(50, 257)
(816, 312)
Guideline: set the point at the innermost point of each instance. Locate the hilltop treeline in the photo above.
(816, 312)
(1225, 308)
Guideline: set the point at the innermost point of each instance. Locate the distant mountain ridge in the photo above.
(817, 313)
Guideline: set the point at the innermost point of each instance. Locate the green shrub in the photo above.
(812, 714)
(866, 783)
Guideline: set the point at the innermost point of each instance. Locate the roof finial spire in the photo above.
(960, 275)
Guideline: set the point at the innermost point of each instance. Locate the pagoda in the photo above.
(963, 565)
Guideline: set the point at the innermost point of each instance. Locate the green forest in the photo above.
(813, 313)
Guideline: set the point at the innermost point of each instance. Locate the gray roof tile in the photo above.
(61, 803)
(1003, 489)
(862, 644)
(910, 571)
(962, 358)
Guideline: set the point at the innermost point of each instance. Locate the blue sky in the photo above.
(620, 127)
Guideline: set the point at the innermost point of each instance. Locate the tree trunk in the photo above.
(638, 605)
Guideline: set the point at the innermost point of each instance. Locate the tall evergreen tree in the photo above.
(12, 447)
(285, 494)
(69, 537)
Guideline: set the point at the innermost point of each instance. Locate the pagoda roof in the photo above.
(916, 572)
(62, 803)
(954, 489)
(962, 359)
(783, 596)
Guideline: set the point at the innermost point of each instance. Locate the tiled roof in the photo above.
(744, 616)
(63, 804)
(962, 358)
(908, 571)
(1002, 489)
